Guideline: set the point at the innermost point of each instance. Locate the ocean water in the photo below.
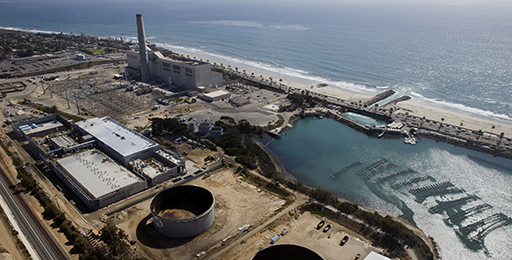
(315, 149)
(451, 54)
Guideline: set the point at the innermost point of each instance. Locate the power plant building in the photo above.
(153, 66)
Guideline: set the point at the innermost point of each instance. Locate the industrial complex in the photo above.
(153, 66)
(99, 159)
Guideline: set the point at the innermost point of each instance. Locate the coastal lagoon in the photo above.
(314, 149)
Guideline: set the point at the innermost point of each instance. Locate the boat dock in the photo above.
(503, 221)
(337, 174)
(440, 192)
(449, 204)
(468, 212)
(431, 187)
(490, 220)
(375, 171)
(489, 162)
(414, 180)
(383, 179)
(374, 164)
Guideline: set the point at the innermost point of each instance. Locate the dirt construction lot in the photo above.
(303, 232)
(237, 203)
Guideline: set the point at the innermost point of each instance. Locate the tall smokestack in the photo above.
(144, 67)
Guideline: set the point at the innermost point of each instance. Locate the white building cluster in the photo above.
(99, 159)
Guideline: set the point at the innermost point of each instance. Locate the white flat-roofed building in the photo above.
(118, 141)
(97, 179)
(215, 96)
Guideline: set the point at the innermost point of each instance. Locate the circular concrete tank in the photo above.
(204, 128)
(286, 252)
(183, 211)
(216, 132)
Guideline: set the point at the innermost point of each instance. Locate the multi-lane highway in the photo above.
(41, 240)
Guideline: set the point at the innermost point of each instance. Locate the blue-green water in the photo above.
(317, 148)
(362, 119)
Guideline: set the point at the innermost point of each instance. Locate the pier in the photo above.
(337, 174)
(374, 164)
(490, 220)
(440, 192)
(375, 171)
(431, 187)
(452, 203)
(383, 179)
(504, 221)
(489, 162)
(468, 212)
(414, 180)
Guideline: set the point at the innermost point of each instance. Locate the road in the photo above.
(39, 237)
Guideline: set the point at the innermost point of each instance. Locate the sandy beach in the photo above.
(412, 107)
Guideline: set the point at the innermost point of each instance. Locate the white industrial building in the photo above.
(91, 157)
(184, 73)
(118, 141)
(215, 96)
(96, 179)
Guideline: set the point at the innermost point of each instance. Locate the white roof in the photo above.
(44, 127)
(96, 175)
(117, 136)
(217, 93)
(375, 256)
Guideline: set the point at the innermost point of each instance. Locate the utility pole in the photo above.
(67, 99)
(77, 106)
(50, 89)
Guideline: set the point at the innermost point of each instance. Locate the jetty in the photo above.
(375, 171)
(452, 203)
(379, 97)
(440, 192)
(431, 187)
(372, 165)
(413, 180)
(338, 173)
(383, 179)
(467, 213)
(393, 102)
(489, 162)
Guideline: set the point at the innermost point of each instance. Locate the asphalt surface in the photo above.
(39, 237)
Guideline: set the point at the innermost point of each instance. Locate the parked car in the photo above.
(320, 225)
(344, 240)
(327, 228)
